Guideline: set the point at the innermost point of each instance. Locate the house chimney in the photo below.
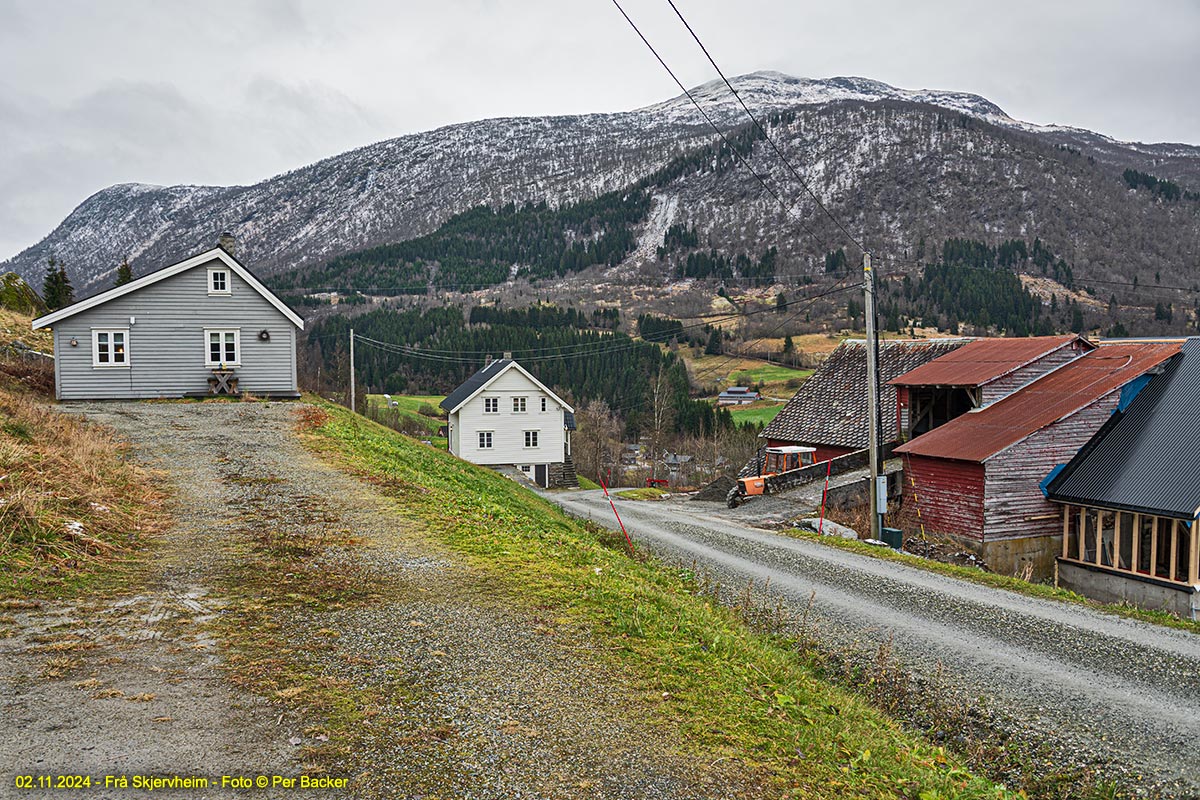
(508, 356)
(488, 361)
(228, 243)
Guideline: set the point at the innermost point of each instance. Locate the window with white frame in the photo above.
(531, 438)
(491, 405)
(485, 440)
(110, 347)
(218, 281)
(543, 404)
(518, 405)
(222, 347)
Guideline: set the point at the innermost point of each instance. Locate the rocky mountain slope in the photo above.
(896, 166)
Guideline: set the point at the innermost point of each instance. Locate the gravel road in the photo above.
(1103, 689)
(481, 697)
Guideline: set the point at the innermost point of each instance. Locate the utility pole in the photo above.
(878, 503)
(353, 406)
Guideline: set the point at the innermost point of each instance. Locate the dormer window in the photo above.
(218, 281)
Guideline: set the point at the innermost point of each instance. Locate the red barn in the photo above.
(977, 477)
(829, 412)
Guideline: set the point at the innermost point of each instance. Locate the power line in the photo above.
(763, 131)
(787, 208)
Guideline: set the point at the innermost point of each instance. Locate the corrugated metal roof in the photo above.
(831, 407)
(1148, 458)
(985, 360)
(468, 387)
(979, 435)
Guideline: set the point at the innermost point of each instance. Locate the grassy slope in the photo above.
(408, 406)
(733, 693)
(71, 507)
(760, 413)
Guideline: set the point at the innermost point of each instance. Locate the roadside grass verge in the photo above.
(732, 693)
(587, 483)
(73, 512)
(996, 580)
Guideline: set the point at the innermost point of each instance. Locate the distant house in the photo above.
(974, 375)
(203, 325)
(829, 412)
(1130, 499)
(976, 478)
(738, 396)
(503, 415)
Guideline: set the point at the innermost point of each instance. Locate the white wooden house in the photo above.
(502, 415)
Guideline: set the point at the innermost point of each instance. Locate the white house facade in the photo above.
(503, 415)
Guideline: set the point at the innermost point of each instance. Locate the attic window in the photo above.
(218, 281)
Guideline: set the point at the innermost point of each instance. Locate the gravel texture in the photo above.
(487, 699)
(1115, 694)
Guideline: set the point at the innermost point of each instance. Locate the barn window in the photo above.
(485, 440)
(491, 405)
(110, 348)
(218, 281)
(543, 404)
(518, 405)
(531, 438)
(222, 347)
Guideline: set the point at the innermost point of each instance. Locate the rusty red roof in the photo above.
(985, 360)
(978, 435)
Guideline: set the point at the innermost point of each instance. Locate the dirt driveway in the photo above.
(481, 699)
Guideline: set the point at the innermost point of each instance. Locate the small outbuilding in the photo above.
(738, 396)
(204, 325)
(1130, 499)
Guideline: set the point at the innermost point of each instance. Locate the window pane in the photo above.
(102, 348)
(1126, 555)
(230, 348)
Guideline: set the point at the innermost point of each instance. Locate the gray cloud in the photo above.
(233, 91)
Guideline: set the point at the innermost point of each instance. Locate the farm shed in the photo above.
(1130, 499)
(974, 375)
(829, 412)
(976, 478)
(197, 327)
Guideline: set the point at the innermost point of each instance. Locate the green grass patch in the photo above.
(409, 408)
(758, 413)
(771, 373)
(587, 483)
(732, 693)
(644, 493)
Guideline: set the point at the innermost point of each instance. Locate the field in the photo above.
(760, 413)
(408, 407)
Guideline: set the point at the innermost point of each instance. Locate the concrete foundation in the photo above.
(1030, 557)
(1138, 590)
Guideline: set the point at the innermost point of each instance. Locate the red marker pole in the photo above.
(824, 492)
(615, 514)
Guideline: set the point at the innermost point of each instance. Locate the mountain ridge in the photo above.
(404, 187)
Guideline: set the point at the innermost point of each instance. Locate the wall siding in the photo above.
(948, 493)
(1017, 378)
(508, 428)
(167, 345)
(1014, 505)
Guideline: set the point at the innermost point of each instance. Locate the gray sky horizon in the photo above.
(233, 92)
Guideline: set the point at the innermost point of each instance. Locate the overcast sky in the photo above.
(233, 91)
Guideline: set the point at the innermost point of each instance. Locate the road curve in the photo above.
(1114, 688)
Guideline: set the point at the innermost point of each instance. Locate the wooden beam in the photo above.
(1135, 554)
(1066, 529)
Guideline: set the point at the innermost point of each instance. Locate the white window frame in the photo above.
(491, 405)
(237, 347)
(531, 440)
(96, 363)
(486, 440)
(522, 402)
(543, 402)
(213, 272)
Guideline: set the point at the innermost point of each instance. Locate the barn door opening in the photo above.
(539, 475)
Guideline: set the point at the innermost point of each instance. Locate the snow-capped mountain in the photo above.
(897, 164)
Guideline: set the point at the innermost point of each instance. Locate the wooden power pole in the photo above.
(353, 407)
(878, 503)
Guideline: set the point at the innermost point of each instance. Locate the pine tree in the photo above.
(714, 347)
(124, 273)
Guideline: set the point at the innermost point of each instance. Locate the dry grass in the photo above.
(69, 502)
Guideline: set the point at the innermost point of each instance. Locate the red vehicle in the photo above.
(656, 483)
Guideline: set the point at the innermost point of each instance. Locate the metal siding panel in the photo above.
(166, 343)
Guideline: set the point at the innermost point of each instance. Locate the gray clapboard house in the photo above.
(202, 326)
